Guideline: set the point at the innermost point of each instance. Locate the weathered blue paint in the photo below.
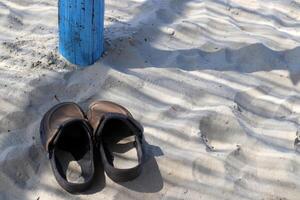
(81, 27)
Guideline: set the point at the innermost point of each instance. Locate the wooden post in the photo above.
(81, 27)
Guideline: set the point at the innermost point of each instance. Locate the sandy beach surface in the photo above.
(214, 83)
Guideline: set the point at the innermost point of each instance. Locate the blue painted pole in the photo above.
(81, 28)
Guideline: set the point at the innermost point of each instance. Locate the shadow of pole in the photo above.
(248, 59)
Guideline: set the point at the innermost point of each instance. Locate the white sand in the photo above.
(215, 84)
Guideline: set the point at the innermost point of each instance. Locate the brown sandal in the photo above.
(112, 123)
(66, 136)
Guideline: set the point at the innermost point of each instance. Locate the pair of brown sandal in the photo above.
(70, 137)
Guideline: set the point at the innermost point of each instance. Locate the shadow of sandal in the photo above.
(150, 180)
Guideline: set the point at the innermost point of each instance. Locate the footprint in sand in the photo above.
(270, 118)
(221, 132)
(209, 170)
(234, 163)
